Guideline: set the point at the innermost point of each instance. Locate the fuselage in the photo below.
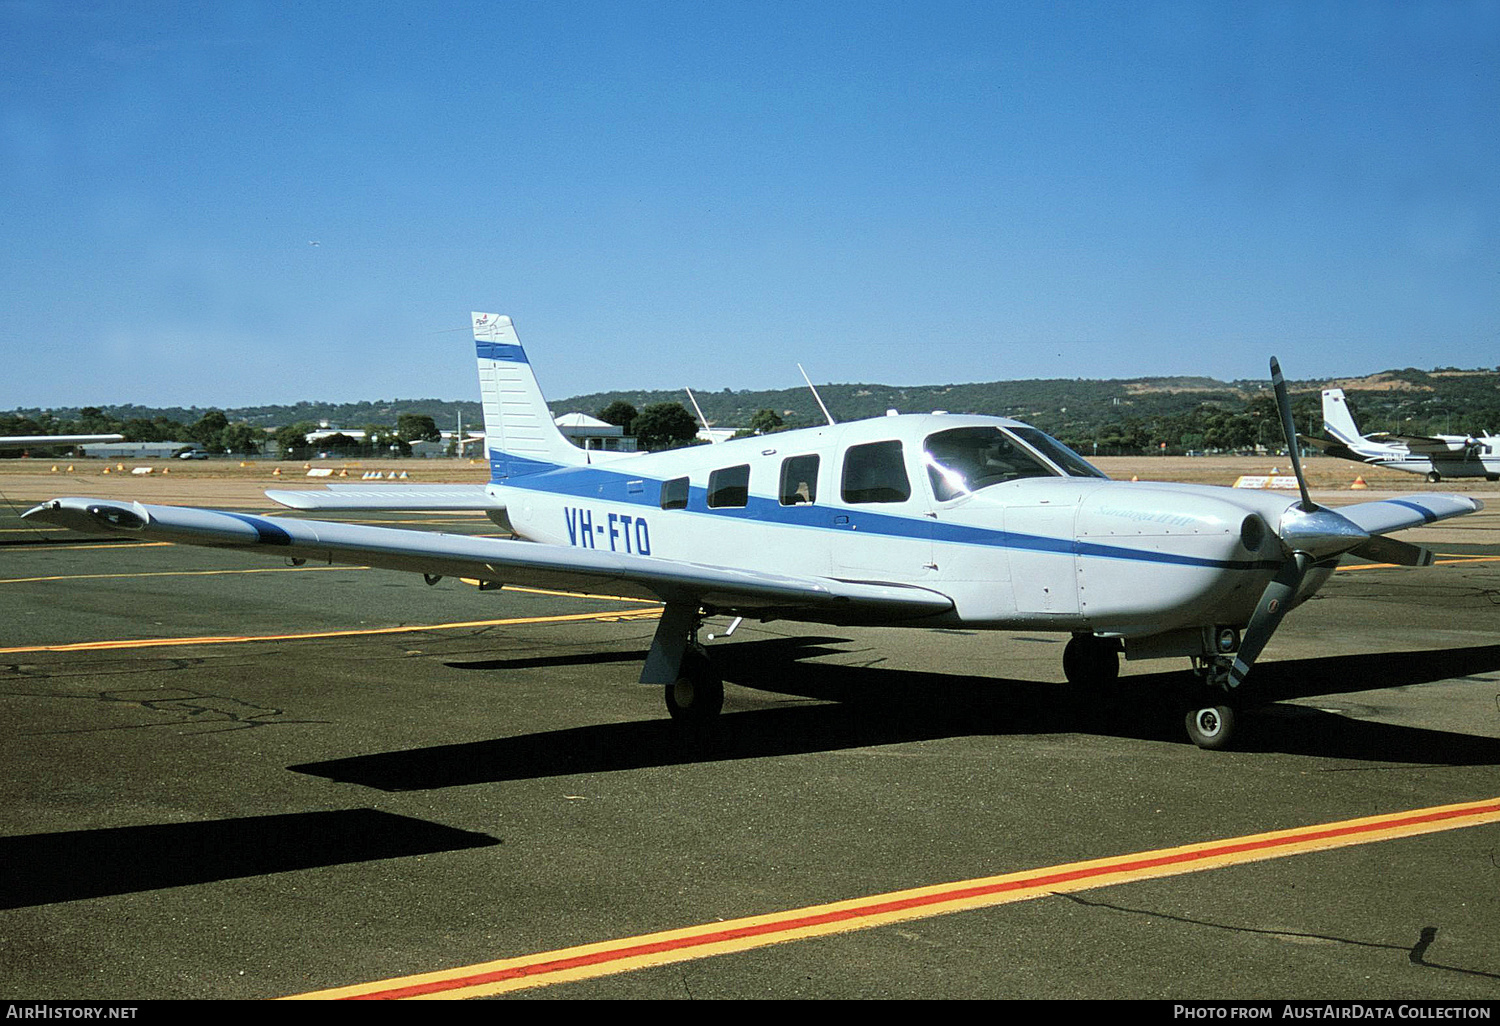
(1466, 458)
(1017, 530)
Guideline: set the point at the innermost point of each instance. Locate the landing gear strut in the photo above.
(678, 662)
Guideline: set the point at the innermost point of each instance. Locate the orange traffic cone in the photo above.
(1359, 482)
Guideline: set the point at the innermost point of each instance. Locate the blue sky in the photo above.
(704, 194)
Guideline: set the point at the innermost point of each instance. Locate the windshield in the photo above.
(964, 460)
(1073, 464)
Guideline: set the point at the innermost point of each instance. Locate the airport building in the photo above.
(138, 450)
(591, 433)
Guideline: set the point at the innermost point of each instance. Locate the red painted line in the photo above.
(925, 900)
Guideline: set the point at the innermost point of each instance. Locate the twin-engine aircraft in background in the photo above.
(1437, 456)
(921, 521)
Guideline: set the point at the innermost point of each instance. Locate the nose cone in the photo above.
(1320, 533)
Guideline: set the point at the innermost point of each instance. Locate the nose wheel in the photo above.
(1211, 726)
(1211, 712)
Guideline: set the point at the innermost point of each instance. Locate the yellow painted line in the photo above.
(303, 569)
(588, 961)
(577, 594)
(178, 573)
(94, 646)
(101, 545)
(1453, 561)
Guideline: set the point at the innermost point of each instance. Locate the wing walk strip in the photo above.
(656, 949)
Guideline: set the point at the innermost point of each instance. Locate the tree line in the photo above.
(1104, 417)
(215, 432)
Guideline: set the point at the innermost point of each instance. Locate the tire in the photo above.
(1434, 477)
(697, 696)
(1211, 727)
(1091, 662)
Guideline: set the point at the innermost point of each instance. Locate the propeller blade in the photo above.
(1274, 602)
(1289, 431)
(1389, 550)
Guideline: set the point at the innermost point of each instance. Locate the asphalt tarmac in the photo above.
(227, 778)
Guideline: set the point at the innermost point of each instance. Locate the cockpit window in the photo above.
(964, 460)
(1072, 464)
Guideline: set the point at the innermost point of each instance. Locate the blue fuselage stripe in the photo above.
(590, 483)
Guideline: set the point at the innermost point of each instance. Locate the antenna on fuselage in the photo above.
(815, 394)
(701, 418)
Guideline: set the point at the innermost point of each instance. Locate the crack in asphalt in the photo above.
(1416, 954)
(200, 708)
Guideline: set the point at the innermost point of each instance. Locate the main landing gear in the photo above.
(697, 695)
(1092, 662)
(677, 661)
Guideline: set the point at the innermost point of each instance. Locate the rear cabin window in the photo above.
(674, 493)
(729, 486)
(799, 480)
(875, 472)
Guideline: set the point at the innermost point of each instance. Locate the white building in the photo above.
(591, 433)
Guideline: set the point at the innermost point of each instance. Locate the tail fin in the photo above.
(1337, 420)
(519, 432)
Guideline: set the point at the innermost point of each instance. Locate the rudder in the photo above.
(520, 436)
(1337, 420)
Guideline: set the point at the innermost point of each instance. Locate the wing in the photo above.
(1387, 515)
(350, 497)
(725, 589)
(1426, 445)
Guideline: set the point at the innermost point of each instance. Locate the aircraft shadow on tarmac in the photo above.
(860, 706)
(44, 868)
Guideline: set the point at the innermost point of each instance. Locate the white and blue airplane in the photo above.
(925, 521)
(1437, 456)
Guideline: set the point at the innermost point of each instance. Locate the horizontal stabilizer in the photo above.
(350, 497)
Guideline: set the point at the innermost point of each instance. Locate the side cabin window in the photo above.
(729, 486)
(799, 480)
(674, 493)
(875, 472)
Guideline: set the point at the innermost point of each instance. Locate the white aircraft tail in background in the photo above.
(1437, 456)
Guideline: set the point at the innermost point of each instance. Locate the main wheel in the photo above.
(1091, 662)
(1211, 726)
(697, 695)
(1434, 476)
